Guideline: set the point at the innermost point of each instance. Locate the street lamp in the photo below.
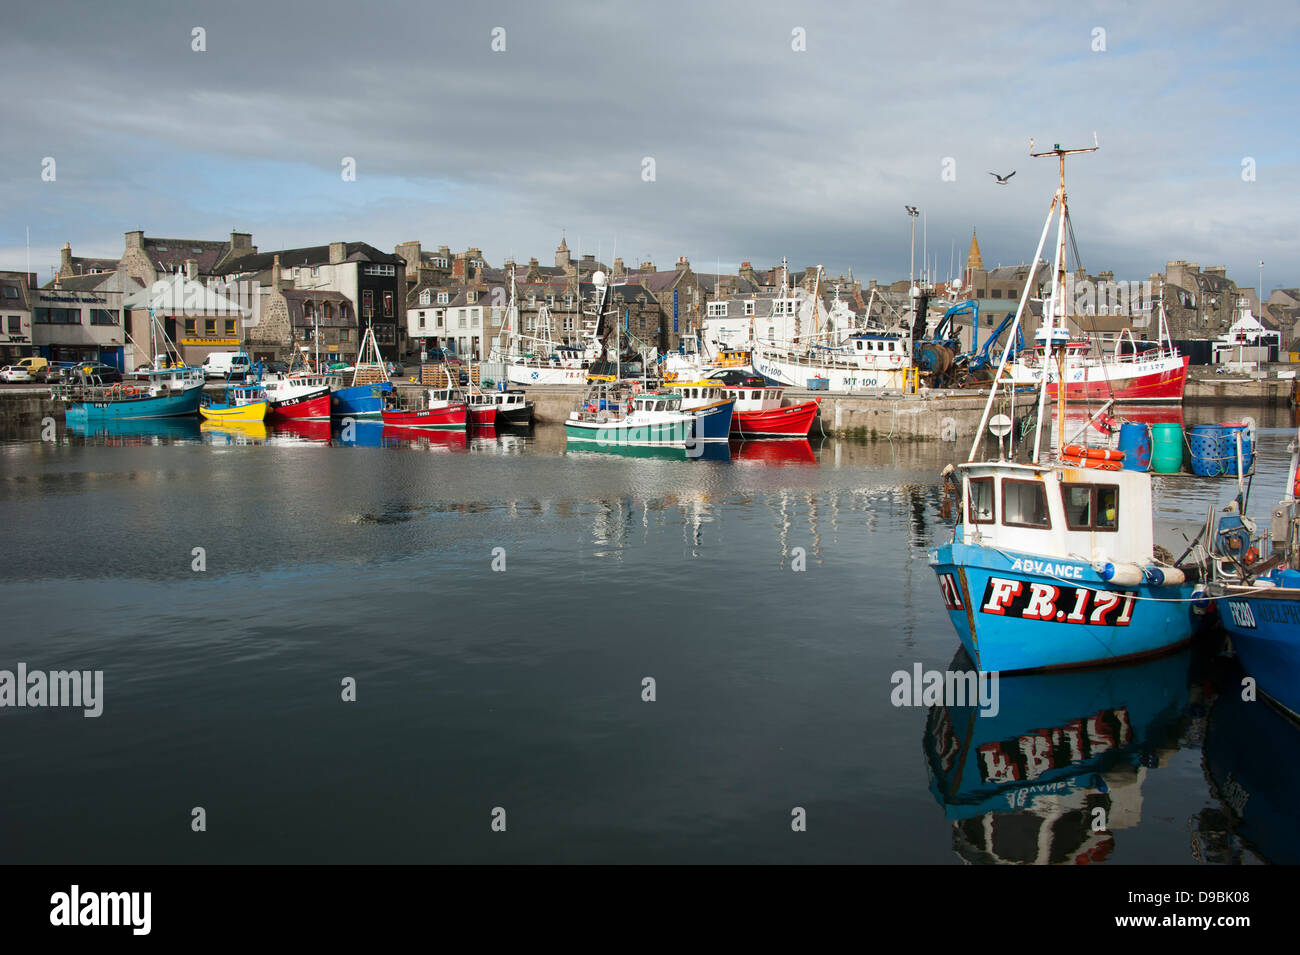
(912, 213)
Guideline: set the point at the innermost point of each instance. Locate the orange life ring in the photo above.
(128, 390)
(1094, 454)
(1252, 555)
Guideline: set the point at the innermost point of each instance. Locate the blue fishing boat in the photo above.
(1259, 597)
(369, 392)
(153, 393)
(1053, 563)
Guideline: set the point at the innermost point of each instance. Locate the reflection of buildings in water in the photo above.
(1058, 770)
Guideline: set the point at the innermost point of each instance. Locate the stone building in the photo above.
(16, 292)
(374, 282)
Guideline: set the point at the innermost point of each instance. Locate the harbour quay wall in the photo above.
(931, 416)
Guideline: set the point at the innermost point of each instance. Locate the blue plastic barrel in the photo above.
(1135, 442)
(1207, 445)
(1230, 432)
(1166, 448)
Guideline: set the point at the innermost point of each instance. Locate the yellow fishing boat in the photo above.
(242, 403)
(236, 432)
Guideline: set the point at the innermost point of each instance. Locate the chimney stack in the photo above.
(65, 260)
(338, 252)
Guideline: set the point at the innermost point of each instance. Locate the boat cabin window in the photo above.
(1091, 507)
(980, 503)
(1024, 504)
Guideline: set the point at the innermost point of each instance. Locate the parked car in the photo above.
(96, 369)
(395, 369)
(14, 373)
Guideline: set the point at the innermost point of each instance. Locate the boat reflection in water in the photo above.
(235, 432)
(1025, 785)
(425, 440)
(299, 431)
(359, 433)
(143, 431)
(702, 451)
(795, 451)
(1252, 763)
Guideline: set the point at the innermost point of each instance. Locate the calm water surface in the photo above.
(521, 688)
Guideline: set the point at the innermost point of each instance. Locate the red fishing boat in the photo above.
(760, 412)
(298, 397)
(437, 409)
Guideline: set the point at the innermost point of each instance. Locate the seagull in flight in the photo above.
(1002, 180)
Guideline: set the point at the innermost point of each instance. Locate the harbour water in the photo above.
(500, 604)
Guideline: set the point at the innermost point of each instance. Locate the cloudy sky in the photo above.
(760, 150)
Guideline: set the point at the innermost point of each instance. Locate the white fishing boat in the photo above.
(538, 359)
(829, 356)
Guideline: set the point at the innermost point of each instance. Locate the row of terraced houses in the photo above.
(225, 294)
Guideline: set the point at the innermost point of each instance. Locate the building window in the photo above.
(327, 311)
(440, 262)
(191, 326)
(426, 297)
(464, 319)
(15, 324)
(442, 298)
(568, 301)
(57, 316)
(471, 297)
(749, 308)
(376, 269)
(209, 326)
(345, 334)
(437, 318)
(717, 310)
(422, 319)
(478, 318)
(102, 316)
(11, 292)
(230, 326)
(550, 300)
(996, 293)
(388, 305)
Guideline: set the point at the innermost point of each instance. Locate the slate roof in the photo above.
(168, 255)
(341, 314)
(310, 256)
(22, 300)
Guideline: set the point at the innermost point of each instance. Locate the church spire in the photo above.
(973, 259)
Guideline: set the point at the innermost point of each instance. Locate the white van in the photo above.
(222, 364)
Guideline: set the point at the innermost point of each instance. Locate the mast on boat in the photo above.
(1054, 337)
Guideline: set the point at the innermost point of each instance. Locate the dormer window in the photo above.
(443, 298)
(749, 308)
(471, 297)
(426, 297)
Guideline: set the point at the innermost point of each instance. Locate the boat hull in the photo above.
(451, 418)
(360, 401)
(517, 417)
(1144, 381)
(790, 421)
(253, 411)
(839, 377)
(1086, 622)
(1265, 630)
(483, 417)
(136, 409)
(545, 375)
(314, 407)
